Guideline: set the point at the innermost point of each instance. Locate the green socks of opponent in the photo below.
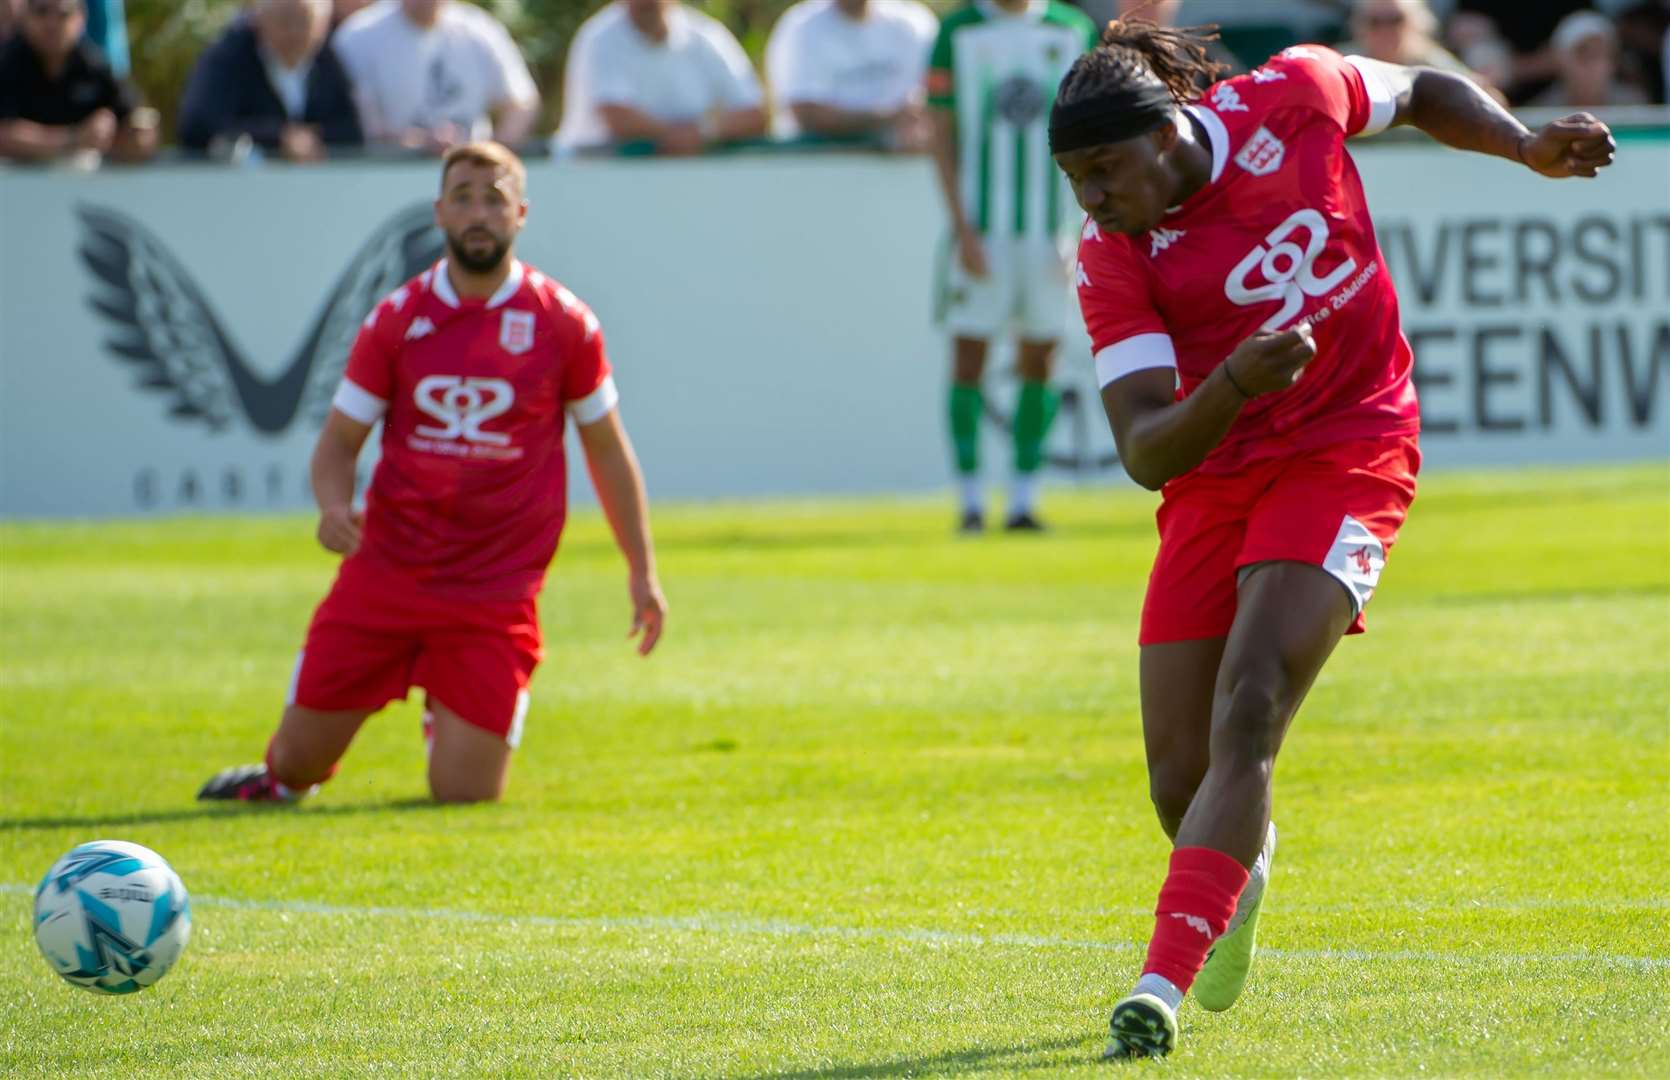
(1035, 410)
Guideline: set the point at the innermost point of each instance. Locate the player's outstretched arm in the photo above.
(1456, 112)
(620, 488)
(335, 456)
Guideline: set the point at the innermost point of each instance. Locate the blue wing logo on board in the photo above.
(160, 323)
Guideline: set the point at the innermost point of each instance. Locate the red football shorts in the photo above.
(377, 634)
(1338, 507)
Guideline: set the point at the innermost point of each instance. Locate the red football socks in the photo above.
(1194, 910)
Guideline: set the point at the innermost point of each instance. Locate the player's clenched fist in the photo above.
(1575, 145)
(1267, 362)
(339, 529)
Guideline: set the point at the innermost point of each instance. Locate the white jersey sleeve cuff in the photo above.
(357, 403)
(595, 405)
(1135, 354)
(1382, 102)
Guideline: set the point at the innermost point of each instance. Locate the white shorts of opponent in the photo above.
(1027, 293)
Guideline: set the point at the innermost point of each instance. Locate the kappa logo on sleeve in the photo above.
(1227, 99)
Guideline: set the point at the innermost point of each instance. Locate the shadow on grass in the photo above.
(210, 810)
(1007, 1059)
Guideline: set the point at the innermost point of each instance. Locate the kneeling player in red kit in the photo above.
(473, 368)
(1253, 369)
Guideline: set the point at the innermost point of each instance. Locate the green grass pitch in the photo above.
(877, 808)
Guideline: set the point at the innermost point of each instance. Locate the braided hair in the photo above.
(1135, 53)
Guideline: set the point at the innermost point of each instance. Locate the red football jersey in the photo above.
(1280, 235)
(471, 490)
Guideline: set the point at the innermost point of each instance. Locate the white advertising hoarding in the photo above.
(170, 336)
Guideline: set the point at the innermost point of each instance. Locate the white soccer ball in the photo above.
(111, 917)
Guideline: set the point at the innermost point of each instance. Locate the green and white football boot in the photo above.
(1220, 982)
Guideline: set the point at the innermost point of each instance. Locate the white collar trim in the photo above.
(1217, 133)
(442, 285)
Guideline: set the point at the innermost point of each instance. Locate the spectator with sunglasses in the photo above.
(59, 98)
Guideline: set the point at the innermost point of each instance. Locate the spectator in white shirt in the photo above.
(657, 71)
(852, 67)
(431, 74)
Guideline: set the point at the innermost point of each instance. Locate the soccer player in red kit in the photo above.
(472, 367)
(1252, 367)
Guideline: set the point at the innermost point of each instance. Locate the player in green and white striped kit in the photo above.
(992, 76)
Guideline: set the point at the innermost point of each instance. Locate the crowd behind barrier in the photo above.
(303, 80)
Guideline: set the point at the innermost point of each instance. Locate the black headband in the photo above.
(1110, 116)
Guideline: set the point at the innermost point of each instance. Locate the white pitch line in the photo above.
(736, 925)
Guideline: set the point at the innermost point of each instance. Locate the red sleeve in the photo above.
(1333, 85)
(1113, 293)
(371, 363)
(586, 366)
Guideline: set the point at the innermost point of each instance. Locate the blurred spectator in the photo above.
(430, 74)
(657, 71)
(341, 9)
(1160, 13)
(58, 97)
(1523, 27)
(1586, 53)
(107, 27)
(272, 77)
(1401, 32)
(8, 19)
(1644, 38)
(852, 67)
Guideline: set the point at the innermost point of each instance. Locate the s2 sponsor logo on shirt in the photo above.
(1289, 272)
(462, 406)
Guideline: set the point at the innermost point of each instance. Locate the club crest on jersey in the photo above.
(1262, 154)
(1227, 99)
(516, 332)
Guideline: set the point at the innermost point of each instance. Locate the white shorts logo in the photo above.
(1355, 560)
(1289, 272)
(462, 406)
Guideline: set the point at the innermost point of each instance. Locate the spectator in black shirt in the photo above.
(273, 77)
(58, 97)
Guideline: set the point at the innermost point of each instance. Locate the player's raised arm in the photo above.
(1457, 112)
(620, 488)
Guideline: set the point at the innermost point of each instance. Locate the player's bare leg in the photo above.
(1289, 616)
(1034, 413)
(303, 753)
(968, 365)
(1177, 679)
(466, 763)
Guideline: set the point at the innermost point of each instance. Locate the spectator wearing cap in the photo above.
(59, 98)
(1586, 53)
(432, 74)
(842, 68)
(659, 72)
(1481, 28)
(273, 77)
(1402, 32)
